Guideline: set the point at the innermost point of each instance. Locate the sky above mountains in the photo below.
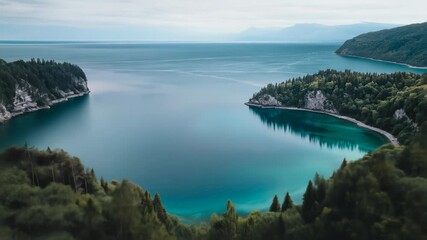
(174, 19)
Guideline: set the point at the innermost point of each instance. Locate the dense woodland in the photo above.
(41, 78)
(407, 44)
(368, 97)
(50, 195)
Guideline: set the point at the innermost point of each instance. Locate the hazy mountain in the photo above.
(309, 33)
(298, 33)
(407, 44)
(93, 33)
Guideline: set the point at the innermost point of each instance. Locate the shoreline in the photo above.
(392, 139)
(51, 103)
(385, 61)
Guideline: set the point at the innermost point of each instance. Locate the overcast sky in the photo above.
(209, 16)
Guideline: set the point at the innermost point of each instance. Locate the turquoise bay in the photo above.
(171, 118)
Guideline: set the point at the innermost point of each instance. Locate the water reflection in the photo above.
(319, 128)
(31, 127)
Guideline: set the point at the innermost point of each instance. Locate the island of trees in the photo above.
(407, 45)
(50, 195)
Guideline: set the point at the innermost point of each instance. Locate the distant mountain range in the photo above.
(407, 45)
(299, 33)
(310, 33)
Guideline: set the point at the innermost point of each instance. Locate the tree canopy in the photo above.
(43, 80)
(406, 44)
(395, 102)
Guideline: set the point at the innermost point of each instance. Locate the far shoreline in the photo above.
(380, 60)
(392, 139)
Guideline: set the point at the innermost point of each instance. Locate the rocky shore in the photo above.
(29, 106)
(28, 86)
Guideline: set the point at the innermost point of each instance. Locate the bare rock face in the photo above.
(82, 83)
(401, 114)
(266, 100)
(315, 100)
(4, 114)
(23, 101)
(24, 98)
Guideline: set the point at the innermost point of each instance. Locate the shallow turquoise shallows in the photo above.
(171, 118)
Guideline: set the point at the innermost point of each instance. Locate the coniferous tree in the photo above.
(124, 205)
(309, 203)
(159, 209)
(281, 228)
(287, 203)
(93, 175)
(104, 185)
(93, 218)
(321, 188)
(147, 203)
(231, 221)
(275, 205)
(343, 164)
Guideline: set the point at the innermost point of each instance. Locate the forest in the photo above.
(48, 194)
(406, 44)
(42, 79)
(368, 97)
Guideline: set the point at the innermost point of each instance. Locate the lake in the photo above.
(170, 117)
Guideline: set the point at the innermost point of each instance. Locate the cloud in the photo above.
(212, 16)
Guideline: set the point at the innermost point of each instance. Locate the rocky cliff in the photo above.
(315, 100)
(266, 100)
(34, 85)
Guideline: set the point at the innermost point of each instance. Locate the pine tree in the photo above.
(93, 217)
(160, 210)
(343, 164)
(125, 205)
(287, 203)
(93, 175)
(308, 212)
(147, 203)
(321, 188)
(104, 185)
(281, 228)
(230, 221)
(275, 205)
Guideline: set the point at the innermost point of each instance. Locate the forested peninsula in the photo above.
(406, 45)
(395, 103)
(37, 84)
(51, 195)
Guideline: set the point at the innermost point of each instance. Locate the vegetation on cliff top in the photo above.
(407, 44)
(368, 97)
(50, 195)
(42, 80)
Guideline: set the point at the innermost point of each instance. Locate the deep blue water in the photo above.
(171, 118)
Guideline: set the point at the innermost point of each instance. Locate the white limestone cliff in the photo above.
(315, 100)
(266, 100)
(23, 100)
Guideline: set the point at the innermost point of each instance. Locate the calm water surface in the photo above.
(171, 118)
